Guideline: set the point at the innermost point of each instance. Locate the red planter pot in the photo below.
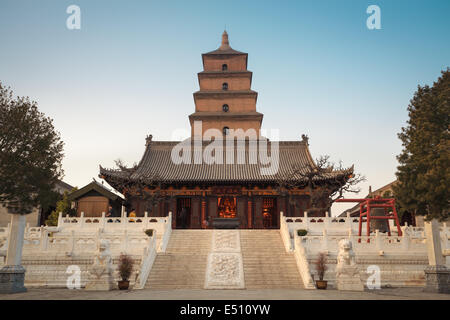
(123, 285)
(321, 284)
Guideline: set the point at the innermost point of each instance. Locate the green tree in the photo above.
(65, 206)
(424, 164)
(31, 152)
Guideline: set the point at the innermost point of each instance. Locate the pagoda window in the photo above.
(225, 86)
(225, 108)
(225, 130)
(224, 67)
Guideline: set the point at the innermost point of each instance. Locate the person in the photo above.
(132, 214)
(183, 217)
(110, 212)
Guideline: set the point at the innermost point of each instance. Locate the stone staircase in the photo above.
(183, 264)
(266, 263)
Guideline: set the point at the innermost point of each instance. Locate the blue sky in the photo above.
(131, 71)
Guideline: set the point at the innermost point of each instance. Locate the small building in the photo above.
(94, 199)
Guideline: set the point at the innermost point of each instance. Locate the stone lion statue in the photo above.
(101, 272)
(102, 262)
(346, 256)
(347, 273)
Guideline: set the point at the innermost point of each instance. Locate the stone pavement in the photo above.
(184, 294)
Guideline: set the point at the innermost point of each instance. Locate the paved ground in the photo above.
(274, 294)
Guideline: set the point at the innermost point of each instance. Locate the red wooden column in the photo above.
(173, 208)
(203, 213)
(249, 212)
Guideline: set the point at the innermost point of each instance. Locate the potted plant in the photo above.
(149, 232)
(125, 268)
(302, 232)
(321, 267)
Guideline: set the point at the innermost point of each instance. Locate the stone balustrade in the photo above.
(48, 251)
(339, 226)
(114, 223)
(148, 259)
(401, 260)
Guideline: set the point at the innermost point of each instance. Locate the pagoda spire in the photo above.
(225, 44)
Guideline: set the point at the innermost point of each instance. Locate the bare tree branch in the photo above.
(325, 182)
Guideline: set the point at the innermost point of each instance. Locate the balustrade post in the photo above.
(169, 222)
(348, 220)
(406, 239)
(327, 222)
(103, 222)
(44, 239)
(60, 219)
(146, 220)
(446, 234)
(81, 223)
(281, 219)
(378, 243)
(305, 214)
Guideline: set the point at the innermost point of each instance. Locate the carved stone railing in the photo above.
(377, 244)
(329, 230)
(408, 252)
(301, 257)
(75, 242)
(315, 225)
(148, 259)
(286, 235)
(167, 231)
(112, 223)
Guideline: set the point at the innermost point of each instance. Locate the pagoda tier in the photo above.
(225, 99)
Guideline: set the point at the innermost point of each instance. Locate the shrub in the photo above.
(321, 265)
(302, 232)
(125, 266)
(149, 232)
(65, 206)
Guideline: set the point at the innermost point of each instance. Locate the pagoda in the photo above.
(225, 99)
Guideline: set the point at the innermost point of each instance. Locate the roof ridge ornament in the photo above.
(305, 139)
(148, 140)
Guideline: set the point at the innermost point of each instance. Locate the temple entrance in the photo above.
(183, 219)
(269, 211)
(226, 213)
(226, 207)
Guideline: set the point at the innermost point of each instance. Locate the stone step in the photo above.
(183, 265)
(266, 263)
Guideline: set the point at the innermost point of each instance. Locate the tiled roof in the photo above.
(157, 163)
(94, 185)
(225, 51)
